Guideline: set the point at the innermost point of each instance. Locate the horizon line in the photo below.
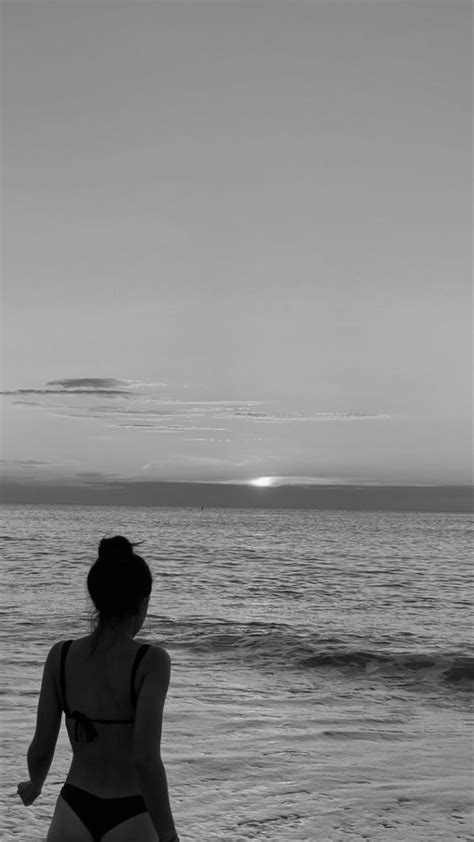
(149, 493)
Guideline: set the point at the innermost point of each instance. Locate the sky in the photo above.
(236, 242)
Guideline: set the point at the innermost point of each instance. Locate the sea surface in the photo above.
(322, 665)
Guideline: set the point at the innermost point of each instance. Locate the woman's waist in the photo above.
(104, 780)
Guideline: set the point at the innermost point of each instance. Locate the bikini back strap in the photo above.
(62, 675)
(136, 664)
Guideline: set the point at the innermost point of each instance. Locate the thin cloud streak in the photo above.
(94, 383)
(137, 406)
(88, 386)
(288, 417)
(101, 392)
(165, 428)
(103, 383)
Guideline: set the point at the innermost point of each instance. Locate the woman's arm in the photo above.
(48, 721)
(147, 742)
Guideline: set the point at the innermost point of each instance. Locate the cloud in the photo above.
(89, 386)
(64, 391)
(36, 469)
(164, 428)
(288, 417)
(207, 440)
(23, 463)
(100, 383)
(96, 476)
(140, 405)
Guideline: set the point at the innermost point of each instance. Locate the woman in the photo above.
(112, 690)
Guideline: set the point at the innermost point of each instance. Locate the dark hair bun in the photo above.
(115, 549)
(119, 580)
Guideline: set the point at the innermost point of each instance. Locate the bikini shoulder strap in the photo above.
(62, 674)
(138, 658)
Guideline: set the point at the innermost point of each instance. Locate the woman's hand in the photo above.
(28, 792)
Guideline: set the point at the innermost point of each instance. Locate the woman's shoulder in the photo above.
(156, 663)
(53, 658)
(155, 652)
(60, 649)
(60, 645)
(56, 649)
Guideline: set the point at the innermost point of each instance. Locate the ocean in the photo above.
(322, 665)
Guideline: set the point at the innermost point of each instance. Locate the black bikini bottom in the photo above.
(101, 814)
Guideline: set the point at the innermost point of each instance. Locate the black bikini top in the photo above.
(80, 718)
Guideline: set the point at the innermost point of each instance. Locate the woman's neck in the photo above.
(110, 632)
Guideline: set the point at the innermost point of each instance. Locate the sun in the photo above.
(262, 482)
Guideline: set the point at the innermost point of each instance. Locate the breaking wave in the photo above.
(263, 644)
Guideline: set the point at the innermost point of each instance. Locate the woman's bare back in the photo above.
(97, 684)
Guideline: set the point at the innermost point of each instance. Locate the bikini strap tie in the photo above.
(81, 720)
